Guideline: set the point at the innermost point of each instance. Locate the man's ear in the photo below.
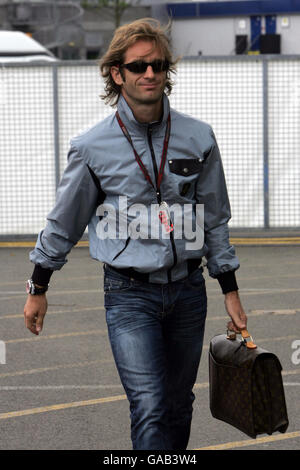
(117, 75)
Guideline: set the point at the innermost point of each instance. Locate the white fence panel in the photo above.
(284, 143)
(27, 181)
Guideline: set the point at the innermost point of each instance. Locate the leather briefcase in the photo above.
(245, 386)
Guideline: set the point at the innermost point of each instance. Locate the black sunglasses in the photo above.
(139, 66)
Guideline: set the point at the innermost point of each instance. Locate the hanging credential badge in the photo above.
(165, 216)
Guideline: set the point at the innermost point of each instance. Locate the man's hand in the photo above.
(236, 312)
(34, 311)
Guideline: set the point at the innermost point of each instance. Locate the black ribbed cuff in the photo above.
(41, 276)
(227, 281)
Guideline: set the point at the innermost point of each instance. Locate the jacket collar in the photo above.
(133, 125)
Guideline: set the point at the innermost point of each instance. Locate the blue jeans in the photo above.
(156, 334)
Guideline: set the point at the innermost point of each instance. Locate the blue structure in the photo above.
(262, 16)
(249, 8)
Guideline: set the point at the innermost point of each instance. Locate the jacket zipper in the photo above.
(159, 199)
(149, 133)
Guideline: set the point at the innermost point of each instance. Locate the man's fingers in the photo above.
(231, 327)
(28, 319)
(242, 321)
(30, 322)
(34, 322)
(33, 329)
(238, 322)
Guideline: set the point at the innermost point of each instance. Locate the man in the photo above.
(153, 157)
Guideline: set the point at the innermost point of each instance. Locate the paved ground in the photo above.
(61, 390)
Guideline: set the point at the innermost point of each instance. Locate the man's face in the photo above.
(144, 88)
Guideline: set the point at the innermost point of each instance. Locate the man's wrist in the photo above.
(34, 289)
(232, 293)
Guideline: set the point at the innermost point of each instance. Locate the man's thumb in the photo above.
(39, 323)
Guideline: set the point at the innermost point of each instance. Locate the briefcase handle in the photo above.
(248, 340)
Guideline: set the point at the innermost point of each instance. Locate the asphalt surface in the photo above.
(61, 390)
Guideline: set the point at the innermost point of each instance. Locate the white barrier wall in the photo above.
(42, 107)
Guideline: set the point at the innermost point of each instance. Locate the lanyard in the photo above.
(137, 157)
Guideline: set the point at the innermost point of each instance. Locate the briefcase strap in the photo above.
(248, 340)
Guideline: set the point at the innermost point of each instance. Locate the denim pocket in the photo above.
(114, 283)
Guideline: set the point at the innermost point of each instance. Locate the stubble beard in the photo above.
(138, 99)
(149, 101)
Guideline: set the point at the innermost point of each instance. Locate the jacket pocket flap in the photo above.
(185, 166)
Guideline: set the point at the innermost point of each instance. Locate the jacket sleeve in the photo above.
(76, 201)
(212, 192)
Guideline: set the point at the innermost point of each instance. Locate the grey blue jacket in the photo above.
(102, 167)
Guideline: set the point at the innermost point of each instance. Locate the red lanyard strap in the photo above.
(137, 157)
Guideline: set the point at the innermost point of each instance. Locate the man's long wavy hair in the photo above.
(125, 36)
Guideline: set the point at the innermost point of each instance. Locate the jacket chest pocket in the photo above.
(187, 171)
(185, 167)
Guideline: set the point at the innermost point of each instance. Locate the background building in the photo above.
(80, 29)
(71, 29)
(235, 27)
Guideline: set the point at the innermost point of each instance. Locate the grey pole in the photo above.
(266, 144)
(56, 125)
